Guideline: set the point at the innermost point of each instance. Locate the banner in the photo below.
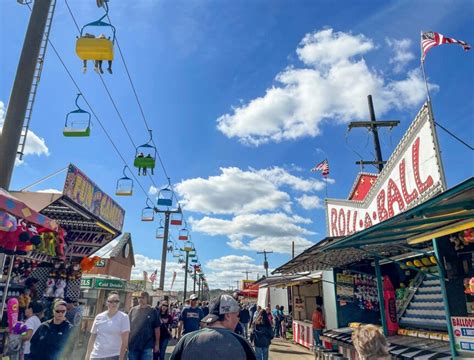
(81, 190)
(412, 175)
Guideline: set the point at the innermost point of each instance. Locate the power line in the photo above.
(94, 114)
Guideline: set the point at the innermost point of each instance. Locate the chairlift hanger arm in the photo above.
(371, 124)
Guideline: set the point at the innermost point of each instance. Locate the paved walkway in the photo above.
(286, 350)
(279, 350)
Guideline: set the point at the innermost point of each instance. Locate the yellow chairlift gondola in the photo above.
(145, 156)
(176, 252)
(77, 126)
(188, 246)
(98, 48)
(148, 213)
(124, 185)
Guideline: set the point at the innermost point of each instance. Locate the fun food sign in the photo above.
(412, 175)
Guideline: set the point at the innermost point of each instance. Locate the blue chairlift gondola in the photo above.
(148, 213)
(145, 156)
(77, 126)
(124, 185)
(165, 197)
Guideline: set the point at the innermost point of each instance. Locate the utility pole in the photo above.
(373, 126)
(246, 274)
(236, 284)
(186, 277)
(292, 249)
(22, 86)
(265, 262)
(164, 249)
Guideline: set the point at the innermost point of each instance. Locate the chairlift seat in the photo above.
(124, 187)
(183, 237)
(144, 162)
(177, 222)
(94, 49)
(165, 202)
(77, 132)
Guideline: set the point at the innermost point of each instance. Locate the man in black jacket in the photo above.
(51, 340)
(244, 317)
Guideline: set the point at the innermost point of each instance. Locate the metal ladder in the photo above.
(36, 79)
(410, 293)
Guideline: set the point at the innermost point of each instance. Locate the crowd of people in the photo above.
(204, 330)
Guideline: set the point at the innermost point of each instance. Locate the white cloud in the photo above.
(153, 190)
(257, 232)
(402, 56)
(145, 263)
(225, 271)
(309, 202)
(237, 191)
(35, 145)
(333, 86)
(50, 191)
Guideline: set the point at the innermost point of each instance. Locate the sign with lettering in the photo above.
(86, 282)
(81, 190)
(463, 328)
(412, 175)
(246, 284)
(109, 284)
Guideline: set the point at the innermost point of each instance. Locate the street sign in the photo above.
(86, 282)
(109, 284)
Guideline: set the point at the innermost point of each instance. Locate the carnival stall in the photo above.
(403, 256)
(53, 237)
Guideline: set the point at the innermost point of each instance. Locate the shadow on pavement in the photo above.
(289, 352)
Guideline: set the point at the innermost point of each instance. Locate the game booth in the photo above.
(46, 240)
(401, 251)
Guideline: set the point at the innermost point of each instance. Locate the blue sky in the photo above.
(244, 98)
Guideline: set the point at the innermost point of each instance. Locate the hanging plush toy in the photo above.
(49, 292)
(12, 312)
(60, 288)
(8, 222)
(60, 243)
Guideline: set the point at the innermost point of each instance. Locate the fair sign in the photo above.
(463, 329)
(412, 175)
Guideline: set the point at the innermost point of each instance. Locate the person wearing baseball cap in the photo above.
(190, 317)
(217, 340)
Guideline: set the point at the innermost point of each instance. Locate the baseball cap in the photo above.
(224, 304)
(193, 297)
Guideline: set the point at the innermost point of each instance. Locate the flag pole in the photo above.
(423, 69)
(326, 181)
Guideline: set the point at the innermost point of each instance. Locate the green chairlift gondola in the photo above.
(77, 127)
(124, 185)
(145, 156)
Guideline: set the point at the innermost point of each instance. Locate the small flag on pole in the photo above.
(323, 166)
(431, 39)
(153, 276)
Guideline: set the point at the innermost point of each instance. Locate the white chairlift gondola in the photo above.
(124, 185)
(183, 234)
(177, 218)
(160, 232)
(77, 126)
(148, 213)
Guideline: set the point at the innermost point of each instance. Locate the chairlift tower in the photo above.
(25, 86)
(373, 125)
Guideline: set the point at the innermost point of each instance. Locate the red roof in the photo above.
(362, 185)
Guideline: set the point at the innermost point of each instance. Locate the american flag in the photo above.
(430, 39)
(153, 276)
(323, 166)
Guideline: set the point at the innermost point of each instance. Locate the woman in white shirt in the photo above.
(109, 333)
(34, 313)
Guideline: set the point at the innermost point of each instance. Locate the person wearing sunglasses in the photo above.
(165, 329)
(51, 340)
(109, 333)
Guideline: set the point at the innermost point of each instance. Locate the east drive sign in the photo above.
(411, 175)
